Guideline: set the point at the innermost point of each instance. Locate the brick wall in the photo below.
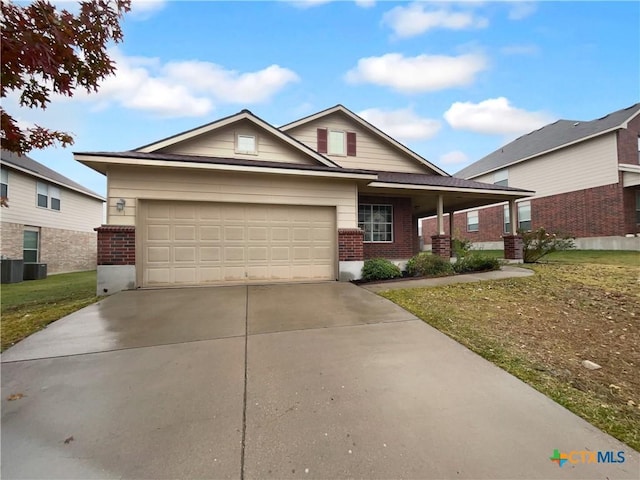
(404, 230)
(628, 142)
(350, 247)
(630, 224)
(62, 250)
(116, 245)
(11, 237)
(67, 250)
(593, 212)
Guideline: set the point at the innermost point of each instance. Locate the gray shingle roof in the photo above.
(549, 137)
(26, 163)
(440, 181)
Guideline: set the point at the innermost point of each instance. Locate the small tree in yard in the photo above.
(45, 52)
(538, 243)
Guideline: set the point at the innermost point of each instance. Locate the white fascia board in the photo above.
(222, 167)
(436, 188)
(628, 167)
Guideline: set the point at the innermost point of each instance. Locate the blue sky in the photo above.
(452, 80)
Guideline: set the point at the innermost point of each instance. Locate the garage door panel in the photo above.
(190, 243)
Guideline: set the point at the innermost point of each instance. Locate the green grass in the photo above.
(540, 328)
(30, 306)
(606, 257)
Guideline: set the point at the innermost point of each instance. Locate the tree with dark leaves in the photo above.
(48, 51)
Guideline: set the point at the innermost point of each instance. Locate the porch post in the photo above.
(512, 241)
(441, 243)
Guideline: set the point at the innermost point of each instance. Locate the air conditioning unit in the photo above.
(35, 271)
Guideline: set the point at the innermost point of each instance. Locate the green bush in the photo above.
(476, 262)
(426, 264)
(538, 243)
(379, 269)
(461, 247)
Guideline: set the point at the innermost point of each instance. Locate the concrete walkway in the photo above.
(315, 381)
(507, 271)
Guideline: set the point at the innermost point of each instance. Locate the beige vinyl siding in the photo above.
(588, 164)
(131, 183)
(221, 143)
(77, 212)
(372, 152)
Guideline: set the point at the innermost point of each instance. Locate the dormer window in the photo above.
(247, 144)
(336, 142)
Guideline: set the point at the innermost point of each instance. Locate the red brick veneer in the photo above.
(404, 230)
(116, 245)
(350, 244)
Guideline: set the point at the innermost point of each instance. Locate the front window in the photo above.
(48, 196)
(336, 143)
(473, 224)
(30, 244)
(4, 183)
(638, 207)
(507, 219)
(501, 177)
(524, 216)
(377, 222)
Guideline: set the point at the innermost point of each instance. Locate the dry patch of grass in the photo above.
(541, 328)
(30, 306)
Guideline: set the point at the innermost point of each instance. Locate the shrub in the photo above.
(476, 262)
(538, 243)
(461, 247)
(426, 264)
(379, 269)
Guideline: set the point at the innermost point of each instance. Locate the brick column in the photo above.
(513, 247)
(350, 246)
(441, 245)
(116, 244)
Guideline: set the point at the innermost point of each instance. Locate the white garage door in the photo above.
(195, 243)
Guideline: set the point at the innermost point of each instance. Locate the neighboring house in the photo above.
(49, 219)
(586, 176)
(239, 200)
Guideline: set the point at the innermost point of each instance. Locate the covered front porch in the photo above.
(427, 196)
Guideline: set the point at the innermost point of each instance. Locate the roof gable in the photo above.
(370, 129)
(29, 166)
(245, 117)
(554, 136)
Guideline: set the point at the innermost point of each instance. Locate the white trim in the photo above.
(440, 188)
(627, 167)
(369, 127)
(244, 115)
(89, 160)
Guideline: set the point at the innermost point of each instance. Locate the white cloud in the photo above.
(147, 6)
(417, 18)
(183, 88)
(456, 157)
(316, 3)
(494, 116)
(365, 3)
(520, 10)
(403, 124)
(417, 74)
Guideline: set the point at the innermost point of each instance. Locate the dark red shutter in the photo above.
(351, 144)
(322, 140)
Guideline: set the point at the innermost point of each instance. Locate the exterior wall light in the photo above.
(120, 204)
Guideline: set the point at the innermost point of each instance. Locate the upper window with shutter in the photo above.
(336, 142)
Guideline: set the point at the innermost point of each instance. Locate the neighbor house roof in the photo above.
(554, 136)
(29, 166)
(367, 126)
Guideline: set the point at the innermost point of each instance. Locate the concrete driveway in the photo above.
(286, 381)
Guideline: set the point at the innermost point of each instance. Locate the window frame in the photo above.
(50, 193)
(361, 224)
(637, 207)
(243, 151)
(4, 182)
(330, 151)
(475, 213)
(506, 219)
(501, 177)
(521, 216)
(37, 247)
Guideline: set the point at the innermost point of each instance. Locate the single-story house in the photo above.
(239, 200)
(586, 175)
(49, 219)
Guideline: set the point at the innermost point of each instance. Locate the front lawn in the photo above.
(30, 306)
(541, 328)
